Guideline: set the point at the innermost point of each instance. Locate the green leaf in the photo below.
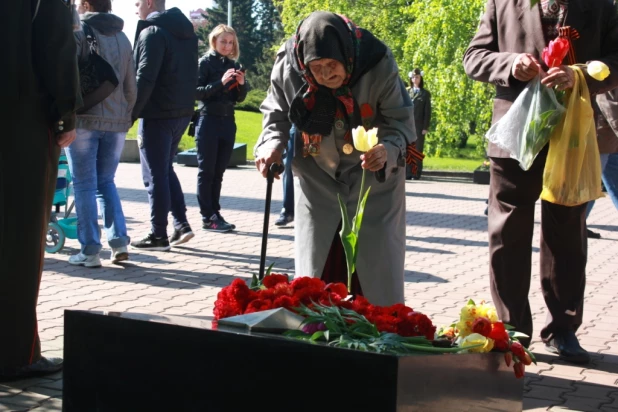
(471, 302)
(533, 3)
(255, 282)
(348, 238)
(317, 335)
(270, 268)
(508, 327)
(517, 335)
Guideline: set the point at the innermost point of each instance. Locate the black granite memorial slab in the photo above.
(133, 362)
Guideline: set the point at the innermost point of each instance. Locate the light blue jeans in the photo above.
(93, 160)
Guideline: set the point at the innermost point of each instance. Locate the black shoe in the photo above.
(409, 177)
(593, 235)
(182, 235)
(566, 346)
(216, 224)
(284, 219)
(225, 221)
(45, 366)
(151, 242)
(416, 177)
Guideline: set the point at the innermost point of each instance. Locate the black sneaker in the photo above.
(216, 224)
(593, 235)
(150, 242)
(182, 235)
(284, 219)
(225, 221)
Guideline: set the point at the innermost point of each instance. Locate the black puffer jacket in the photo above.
(165, 54)
(214, 97)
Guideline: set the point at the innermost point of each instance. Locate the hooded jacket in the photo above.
(114, 113)
(165, 53)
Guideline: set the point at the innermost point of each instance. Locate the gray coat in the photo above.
(114, 113)
(319, 179)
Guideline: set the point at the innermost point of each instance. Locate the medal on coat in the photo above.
(311, 144)
(348, 148)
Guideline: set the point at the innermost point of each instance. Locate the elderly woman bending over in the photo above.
(328, 79)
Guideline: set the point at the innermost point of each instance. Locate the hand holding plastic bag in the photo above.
(572, 174)
(525, 129)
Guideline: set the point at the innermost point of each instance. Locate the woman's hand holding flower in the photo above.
(375, 158)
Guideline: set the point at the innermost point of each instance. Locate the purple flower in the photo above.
(312, 328)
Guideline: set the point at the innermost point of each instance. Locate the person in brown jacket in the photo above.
(506, 52)
(606, 110)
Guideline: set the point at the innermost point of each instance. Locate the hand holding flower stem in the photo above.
(373, 159)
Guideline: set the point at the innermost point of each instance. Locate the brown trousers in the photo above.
(28, 173)
(512, 196)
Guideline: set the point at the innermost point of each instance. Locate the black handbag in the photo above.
(97, 77)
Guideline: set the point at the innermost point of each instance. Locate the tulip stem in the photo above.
(354, 225)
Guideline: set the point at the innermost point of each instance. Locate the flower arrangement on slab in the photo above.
(333, 317)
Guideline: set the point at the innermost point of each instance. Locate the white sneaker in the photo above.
(89, 261)
(120, 254)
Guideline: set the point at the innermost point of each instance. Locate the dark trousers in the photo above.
(28, 173)
(215, 136)
(288, 177)
(158, 141)
(512, 196)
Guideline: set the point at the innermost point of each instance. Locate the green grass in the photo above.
(249, 126)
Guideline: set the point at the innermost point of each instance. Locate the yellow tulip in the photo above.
(598, 70)
(478, 339)
(364, 139)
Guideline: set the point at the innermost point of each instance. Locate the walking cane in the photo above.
(274, 168)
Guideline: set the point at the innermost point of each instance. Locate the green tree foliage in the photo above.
(432, 35)
(436, 43)
(387, 19)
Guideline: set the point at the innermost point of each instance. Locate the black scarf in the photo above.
(329, 35)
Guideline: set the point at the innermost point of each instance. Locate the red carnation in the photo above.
(337, 288)
(555, 52)
(306, 282)
(416, 324)
(258, 305)
(224, 309)
(482, 326)
(398, 310)
(329, 299)
(385, 323)
(273, 279)
(287, 302)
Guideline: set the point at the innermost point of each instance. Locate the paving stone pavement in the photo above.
(446, 264)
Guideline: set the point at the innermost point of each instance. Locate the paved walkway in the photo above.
(446, 265)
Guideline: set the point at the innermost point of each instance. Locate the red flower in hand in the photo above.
(482, 326)
(555, 52)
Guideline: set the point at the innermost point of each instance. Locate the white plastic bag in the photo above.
(525, 128)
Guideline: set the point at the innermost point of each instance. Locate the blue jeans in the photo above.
(214, 138)
(288, 177)
(93, 159)
(609, 169)
(158, 141)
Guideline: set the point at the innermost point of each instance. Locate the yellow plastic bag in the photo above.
(572, 173)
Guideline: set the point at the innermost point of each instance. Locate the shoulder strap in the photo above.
(90, 37)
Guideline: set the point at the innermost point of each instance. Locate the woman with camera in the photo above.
(221, 84)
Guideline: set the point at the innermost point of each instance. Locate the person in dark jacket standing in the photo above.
(40, 86)
(221, 84)
(165, 52)
(506, 52)
(422, 116)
